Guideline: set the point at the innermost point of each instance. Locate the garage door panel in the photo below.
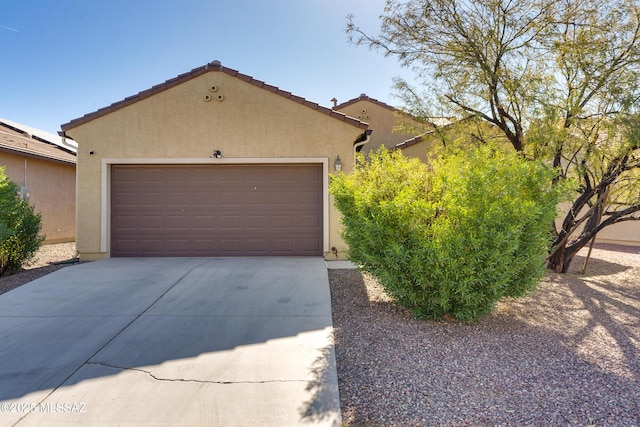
(311, 222)
(257, 222)
(126, 222)
(309, 245)
(257, 198)
(170, 199)
(257, 245)
(283, 221)
(151, 176)
(151, 223)
(178, 223)
(283, 245)
(230, 178)
(284, 198)
(126, 199)
(229, 198)
(230, 222)
(178, 245)
(151, 245)
(309, 198)
(126, 245)
(151, 200)
(221, 210)
(202, 223)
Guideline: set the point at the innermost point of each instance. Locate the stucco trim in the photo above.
(105, 210)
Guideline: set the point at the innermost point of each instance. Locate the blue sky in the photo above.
(62, 59)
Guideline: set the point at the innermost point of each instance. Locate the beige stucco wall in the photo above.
(178, 125)
(52, 191)
(622, 233)
(422, 150)
(382, 120)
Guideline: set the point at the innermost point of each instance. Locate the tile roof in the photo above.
(67, 144)
(14, 141)
(364, 97)
(440, 122)
(411, 141)
(215, 66)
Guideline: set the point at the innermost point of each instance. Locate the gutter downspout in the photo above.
(65, 143)
(367, 137)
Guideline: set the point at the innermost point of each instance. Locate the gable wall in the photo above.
(251, 124)
(382, 121)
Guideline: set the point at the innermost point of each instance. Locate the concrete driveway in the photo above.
(171, 341)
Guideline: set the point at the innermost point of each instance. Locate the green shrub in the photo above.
(19, 227)
(452, 238)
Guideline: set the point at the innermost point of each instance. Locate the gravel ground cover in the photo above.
(566, 355)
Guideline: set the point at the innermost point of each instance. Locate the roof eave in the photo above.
(214, 66)
(37, 156)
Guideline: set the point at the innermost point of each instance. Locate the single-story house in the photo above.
(391, 127)
(211, 163)
(46, 172)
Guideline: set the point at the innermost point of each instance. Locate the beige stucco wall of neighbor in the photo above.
(177, 125)
(420, 150)
(382, 120)
(52, 191)
(622, 233)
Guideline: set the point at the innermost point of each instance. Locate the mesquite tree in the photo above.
(558, 78)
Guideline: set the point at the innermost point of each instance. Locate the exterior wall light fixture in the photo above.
(338, 164)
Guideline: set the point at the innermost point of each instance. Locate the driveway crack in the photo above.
(189, 380)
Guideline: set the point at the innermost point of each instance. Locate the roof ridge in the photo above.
(214, 66)
(365, 97)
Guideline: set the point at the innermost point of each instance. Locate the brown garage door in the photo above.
(221, 210)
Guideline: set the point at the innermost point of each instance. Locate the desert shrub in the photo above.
(451, 238)
(19, 227)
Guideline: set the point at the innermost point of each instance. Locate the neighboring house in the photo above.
(383, 119)
(210, 163)
(449, 133)
(45, 170)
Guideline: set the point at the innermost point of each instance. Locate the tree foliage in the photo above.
(19, 227)
(559, 79)
(451, 238)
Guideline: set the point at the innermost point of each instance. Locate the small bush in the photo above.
(19, 227)
(452, 238)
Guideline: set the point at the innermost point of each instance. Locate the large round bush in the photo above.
(452, 237)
